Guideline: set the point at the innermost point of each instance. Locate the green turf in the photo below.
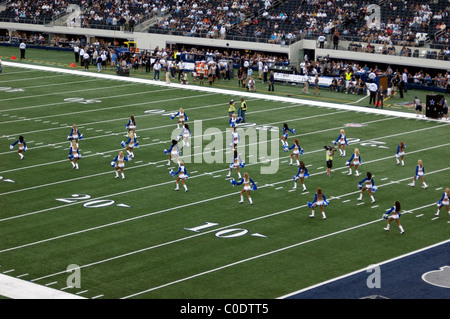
(145, 250)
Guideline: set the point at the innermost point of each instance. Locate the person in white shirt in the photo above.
(22, 47)
(373, 87)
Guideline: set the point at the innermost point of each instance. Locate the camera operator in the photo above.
(329, 157)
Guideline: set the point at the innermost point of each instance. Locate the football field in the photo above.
(85, 232)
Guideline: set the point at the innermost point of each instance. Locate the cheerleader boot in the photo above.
(250, 200)
(298, 163)
(349, 172)
(304, 187)
(295, 186)
(242, 200)
(373, 199)
(290, 161)
(425, 185)
(401, 229)
(387, 227)
(356, 173)
(312, 214)
(324, 216)
(185, 188)
(123, 175)
(239, 175)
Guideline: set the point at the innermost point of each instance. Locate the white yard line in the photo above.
(221, 91)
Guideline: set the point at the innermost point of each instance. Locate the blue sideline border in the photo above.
(400, 278)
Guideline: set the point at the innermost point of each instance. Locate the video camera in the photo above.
(329, 148)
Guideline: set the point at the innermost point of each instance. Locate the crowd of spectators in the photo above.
(39, 11)
(115, 14)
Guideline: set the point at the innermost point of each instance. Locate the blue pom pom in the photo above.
(310, 205)
(122, 143)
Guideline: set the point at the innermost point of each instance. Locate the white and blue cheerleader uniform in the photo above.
(394, 215)
(246, 181)
(130, 144)
(74, 154)
(184, 136)
(22, 147)
(341, 141)
(119, 163)
(297, 150)
(444, 201)
(355, 160)
(173, 151)
(369, 184)
(74, 135)
(235, 139)
(420, 173)
(131, 125)
(400, 154)
(182, 117)
(318, 203)
(182, 175)
(302, 173)
(286, 135)
(236, 163)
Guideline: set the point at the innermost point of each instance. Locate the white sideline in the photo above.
(221, 91)
(16, 288)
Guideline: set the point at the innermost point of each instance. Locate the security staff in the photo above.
(243, 109)
(373, 88)
(76, 50)
(22, 47)
(348, 77)
(231, 108)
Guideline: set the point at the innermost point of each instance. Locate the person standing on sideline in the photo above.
(316, 85)
(87, 60)
(22, 47)
(405, 79)
(156, 69)
(271, 81)
(76, 51)
(373, 88)
(379, 98)
(243, 109)
(82, 52)
(1, 67)
(321, 39)
(395, 215)
(444, 104)
(265, 72)
(418, 107)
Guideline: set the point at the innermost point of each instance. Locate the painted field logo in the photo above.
(440, 278)
(355, 125)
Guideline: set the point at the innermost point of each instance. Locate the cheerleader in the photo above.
(395, 215)
(234, 120)
(237, 162)
(185, 134)
(173, 151)
(130, 144)
(235, 138)
(296, 151)
(354, 161)
(400, 155)
(319, 200)
(74, 134)
(119, 163)
(341, 142)
(182, 117)
(367, 184)
(247, 188)
(302, 174)
(74, 154)
(285, 135)
(444, 201)
(131, 126)
(182, 175)
(21, 145)
(420, 172)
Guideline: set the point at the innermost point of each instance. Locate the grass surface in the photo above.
(145, 250)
